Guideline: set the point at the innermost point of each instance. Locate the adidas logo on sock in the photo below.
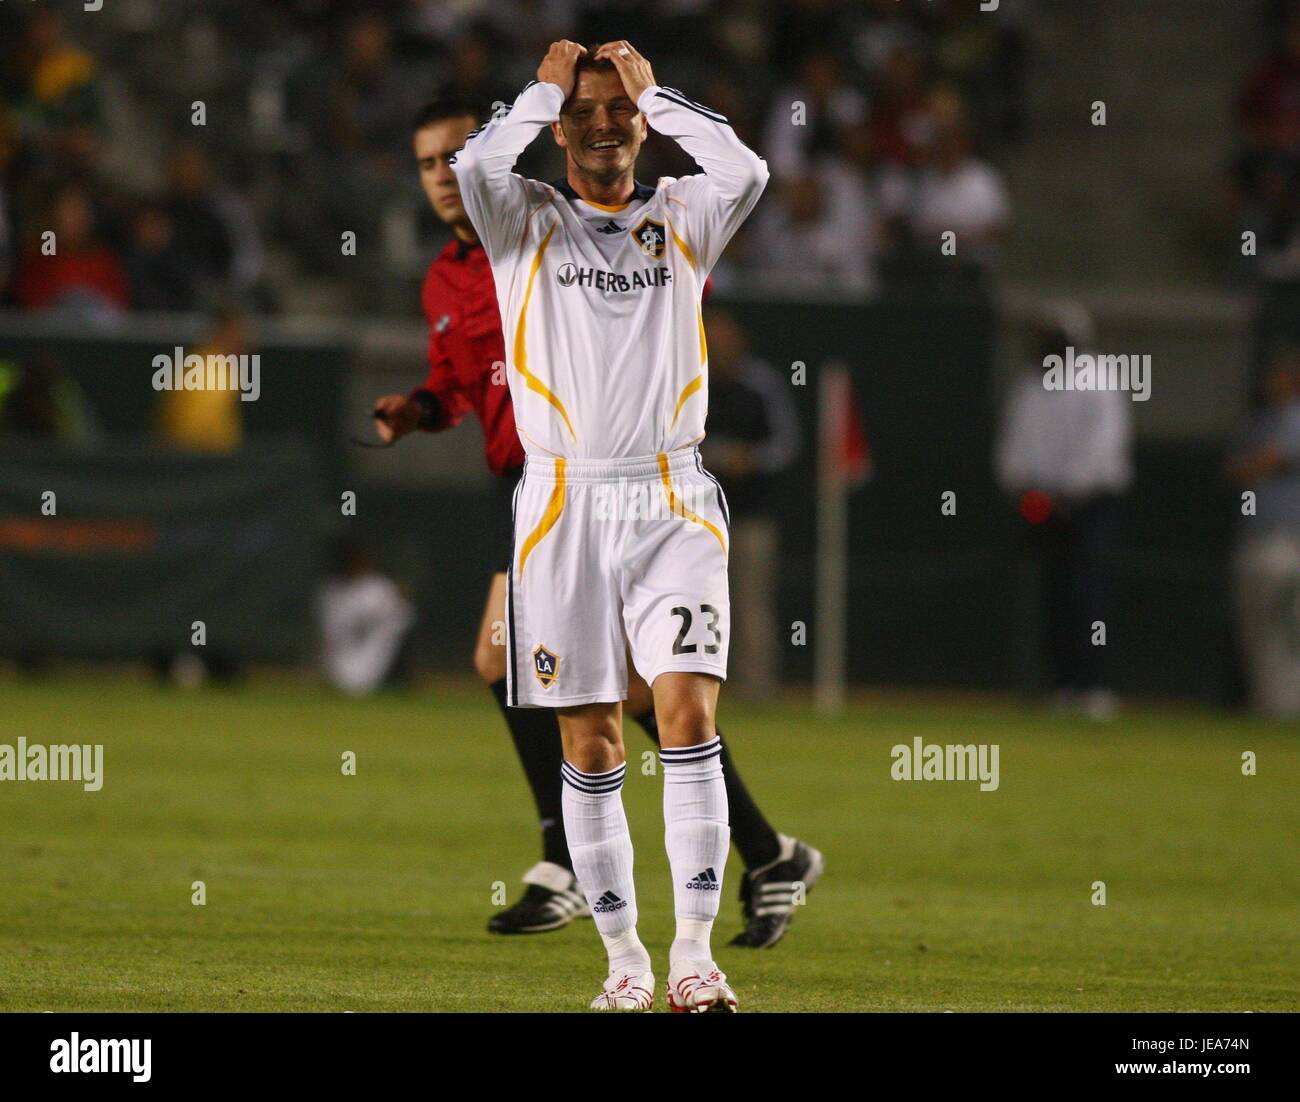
(609, 902)
(706, 881)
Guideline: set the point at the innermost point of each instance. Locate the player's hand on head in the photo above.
(632, 67)
(558, 65)
(396, 415)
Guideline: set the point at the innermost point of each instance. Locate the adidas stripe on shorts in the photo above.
(611, 555)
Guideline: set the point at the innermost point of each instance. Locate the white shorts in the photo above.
(611, 555)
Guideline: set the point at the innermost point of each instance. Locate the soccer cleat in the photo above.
(697, 987)
(627, 991)
(551, 901)
(767, 895)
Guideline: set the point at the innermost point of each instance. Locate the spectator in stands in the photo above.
(366, 101)
(213, 232)
(1266, 563)
(54, 80)
(958, 191)
(753, 439)
(818, 235)
(825, 101)
(902, 127)
(1064, 457)
(1266, 173)
(983, 56)
(72, 270)
(160, 274)
(1268, 197)
(39, 400)
(803, 27)
(471, 75)
(1270, 103)
(884, 28)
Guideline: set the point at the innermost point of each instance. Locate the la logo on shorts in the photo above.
(651, 238)
(547, 666)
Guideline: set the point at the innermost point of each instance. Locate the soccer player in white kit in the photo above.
(620, 534)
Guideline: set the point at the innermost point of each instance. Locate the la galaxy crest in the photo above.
(546, 665)
(651, 238)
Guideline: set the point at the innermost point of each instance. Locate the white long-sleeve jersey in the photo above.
(600, 306)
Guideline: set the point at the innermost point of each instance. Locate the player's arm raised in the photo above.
(717, 203)
(494, 194)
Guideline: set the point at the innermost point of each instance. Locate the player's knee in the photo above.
(685, 721)
(593, 741)
(490, 662)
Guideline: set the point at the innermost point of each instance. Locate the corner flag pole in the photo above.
(834, 404)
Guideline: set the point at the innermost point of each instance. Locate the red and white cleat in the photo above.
(627, 991)
(698, 987)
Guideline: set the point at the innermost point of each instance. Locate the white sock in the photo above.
(601, 850)
(697, 836)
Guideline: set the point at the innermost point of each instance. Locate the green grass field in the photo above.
(371, 892)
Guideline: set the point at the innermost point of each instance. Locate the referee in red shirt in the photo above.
(467, 373)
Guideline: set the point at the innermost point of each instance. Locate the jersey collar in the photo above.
(640, 192)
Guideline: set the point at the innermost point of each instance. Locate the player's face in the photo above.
(434, 146)
(600, 127)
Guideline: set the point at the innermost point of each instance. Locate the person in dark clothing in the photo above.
(753, 437)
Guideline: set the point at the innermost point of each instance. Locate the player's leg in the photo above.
(779, 869)
(696, 834)
(566, 651)
(601, 847)
(676, 615)
(551, 898)
(756, 842)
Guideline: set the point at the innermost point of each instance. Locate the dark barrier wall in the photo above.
(934, 600)
(301, 380)
(143, 542)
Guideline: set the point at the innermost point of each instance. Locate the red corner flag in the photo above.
(843, 434)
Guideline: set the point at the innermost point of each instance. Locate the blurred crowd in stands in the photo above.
(1265, 174)
(185, 154)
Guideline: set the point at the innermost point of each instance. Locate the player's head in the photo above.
(441, 128)
(600, 128)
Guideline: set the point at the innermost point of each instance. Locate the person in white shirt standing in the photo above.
(620, 534)
(1064, 457)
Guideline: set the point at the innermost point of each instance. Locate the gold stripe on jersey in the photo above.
(603, 206)
(554, 507)
(689, 389)
(676, 506)
(690, 259)
(521, 345)
(685, 248)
